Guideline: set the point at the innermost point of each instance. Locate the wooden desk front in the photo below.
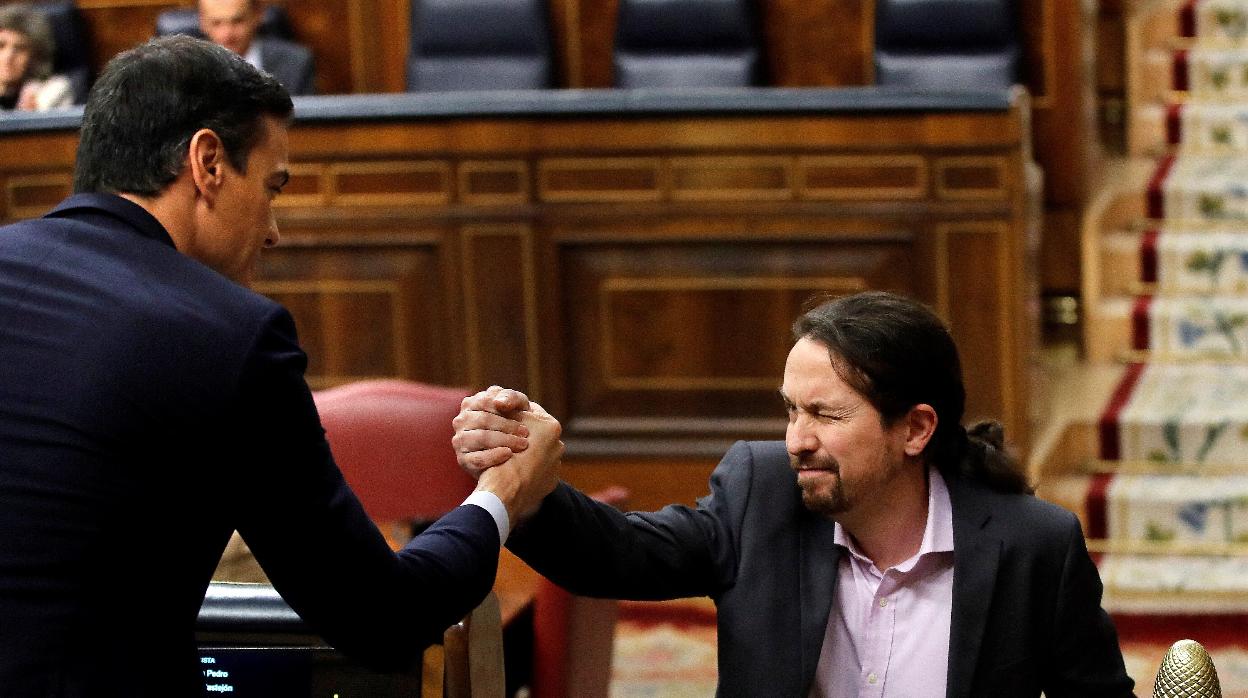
(632, 259)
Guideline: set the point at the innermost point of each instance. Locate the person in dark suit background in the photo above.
(233, 24)
(880, 550)
(150, 404)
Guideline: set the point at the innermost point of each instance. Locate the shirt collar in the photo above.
(937, 533)
(253, 54)
(122, 209)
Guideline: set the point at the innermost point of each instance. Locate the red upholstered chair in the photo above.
(392, 440)
(573, 636)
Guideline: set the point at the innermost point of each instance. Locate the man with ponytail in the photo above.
(881, 549)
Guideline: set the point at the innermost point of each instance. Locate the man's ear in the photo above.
(920, 423)
(206, 160)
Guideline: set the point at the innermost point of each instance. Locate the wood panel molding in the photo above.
(615, 343)
(500, 308)
(30, 196)
(637, 276)
(854, 177)
(972, 177)
(585, 180)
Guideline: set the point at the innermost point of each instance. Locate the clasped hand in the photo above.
(510, 445)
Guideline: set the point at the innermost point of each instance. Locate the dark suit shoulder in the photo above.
(290, 63)
(1018, 519)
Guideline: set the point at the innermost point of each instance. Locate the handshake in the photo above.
(511, 446)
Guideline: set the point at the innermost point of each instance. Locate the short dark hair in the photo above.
(30, 23)
(897, 353)
(150, 100)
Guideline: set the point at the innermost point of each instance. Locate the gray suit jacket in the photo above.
(1026, 603)
(290, 63)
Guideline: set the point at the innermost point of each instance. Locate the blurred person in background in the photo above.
(26, 49)
(234, 23)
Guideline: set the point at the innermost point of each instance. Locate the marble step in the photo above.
(1199, 189)
(1175, 584)
(1171, 260)
(1185, 511)
(1192, 128)
(1193, 416)
(1186, 328)
(1214, 20)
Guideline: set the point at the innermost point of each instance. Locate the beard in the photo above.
(822, 491)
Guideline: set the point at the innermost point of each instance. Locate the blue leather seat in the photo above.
(479, 45)
(687, 43)
(72, 58)
(947, 44)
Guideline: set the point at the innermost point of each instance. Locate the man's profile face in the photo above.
(841, 450)
(231, 233)
(230, 23)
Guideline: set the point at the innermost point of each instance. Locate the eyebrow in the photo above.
(815, 407)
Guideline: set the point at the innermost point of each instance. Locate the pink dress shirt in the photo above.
(888, 632)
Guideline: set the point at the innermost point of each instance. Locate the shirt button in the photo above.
(871, 678)
(883, 603)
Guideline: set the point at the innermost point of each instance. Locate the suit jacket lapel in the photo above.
(819, 560)
(976, 553)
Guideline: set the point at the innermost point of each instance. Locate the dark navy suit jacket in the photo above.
(1026, 613)
(290, 63)
(148, 407)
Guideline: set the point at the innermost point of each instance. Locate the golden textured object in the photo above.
(1187, 672)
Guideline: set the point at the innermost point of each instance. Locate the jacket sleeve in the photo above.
(313, 538)
(591, 549)
(1087, 660)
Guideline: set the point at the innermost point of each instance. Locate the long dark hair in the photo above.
(897, 353)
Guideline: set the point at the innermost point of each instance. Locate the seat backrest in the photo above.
(72, 58)
(392, 441)
(473, 659)
(947, 44)
(479, 45)
(185, 20)
(687, 43)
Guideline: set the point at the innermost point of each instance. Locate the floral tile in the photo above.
(1187, 413)
(1213, 128)
(1181, 508)
(1207, 188)
(1215, 73)
(1175, 584)
(1222, 20)
(1199, 326)
(1205, 261)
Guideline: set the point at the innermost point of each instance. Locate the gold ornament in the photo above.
(1187, 671)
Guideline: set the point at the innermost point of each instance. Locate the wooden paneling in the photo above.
(818, 43)
(695, 327)
(343, 35)
(27, 196)
(963, 252)
(500, 307)
(368, 304)
(586, 29)
(637, 275)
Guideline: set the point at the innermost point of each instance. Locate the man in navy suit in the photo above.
(150, 404)
(234, 23)
(880, 550)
